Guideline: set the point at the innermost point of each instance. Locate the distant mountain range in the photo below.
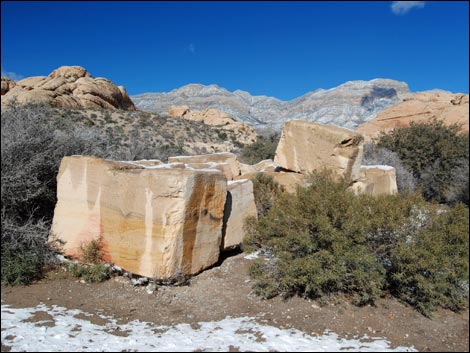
(347, 105)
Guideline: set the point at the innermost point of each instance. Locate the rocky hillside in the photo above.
(67, 87)
(347, 105)
(420, 107)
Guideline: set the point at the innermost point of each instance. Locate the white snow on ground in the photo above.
(69, 333)
(253, 255)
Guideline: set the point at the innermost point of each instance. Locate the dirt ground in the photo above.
(225, 290)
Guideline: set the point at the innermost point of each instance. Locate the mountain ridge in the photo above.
(348, 105)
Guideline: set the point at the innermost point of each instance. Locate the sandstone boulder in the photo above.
(305, 147)
(376, 180)
(214, 117)
(239, 205)
(178, 111)
(69, 87)
(420, 108)
(7, 84)
(153, 221)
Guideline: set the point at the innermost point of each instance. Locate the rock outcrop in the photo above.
(214, 117)
(239, 205)
(7, 84)
(420, 108)
(347, 105)
(68, 87)
(155, 221)
(376, 180)
(305, 147)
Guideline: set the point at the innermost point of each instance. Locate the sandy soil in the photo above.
(225, 290)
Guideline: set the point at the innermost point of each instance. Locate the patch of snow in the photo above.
(71, 334)
(383, 167)
(239, 181)
(253, 255)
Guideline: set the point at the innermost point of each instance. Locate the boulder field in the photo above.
(162, 220)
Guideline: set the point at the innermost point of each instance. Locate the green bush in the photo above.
(90, 273)
(21, 265)
(325, 240)
(24, 251)
(263, 148)
(430, 267)
(265, 192)
(434, 153)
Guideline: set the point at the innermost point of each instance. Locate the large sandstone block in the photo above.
(305, 147)
(154, 221)
(222, 157)
(239, 205)
(376, 180)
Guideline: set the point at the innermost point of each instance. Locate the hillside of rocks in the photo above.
(66, 87)
(420, 108)
(347, 105)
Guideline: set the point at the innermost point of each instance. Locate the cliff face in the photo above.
(347, 105)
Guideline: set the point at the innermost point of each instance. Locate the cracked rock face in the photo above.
(420, 108)
(67, 87)
(305, 147)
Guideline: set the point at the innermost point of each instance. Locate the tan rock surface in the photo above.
(240, 204)
(420, 107)
(156, 221)
(305, 147)
(178, 111)
(376, 180)
(69, 87)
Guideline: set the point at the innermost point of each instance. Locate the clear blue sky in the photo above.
(281, 49)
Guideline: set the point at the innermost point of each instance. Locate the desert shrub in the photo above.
(433, 152)
(265, 191)
(92, 252)
(325, 240)
(374, 155)
(222, 135)
(263, 148)
(25, 252)
(430, 267)
(90, 273)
